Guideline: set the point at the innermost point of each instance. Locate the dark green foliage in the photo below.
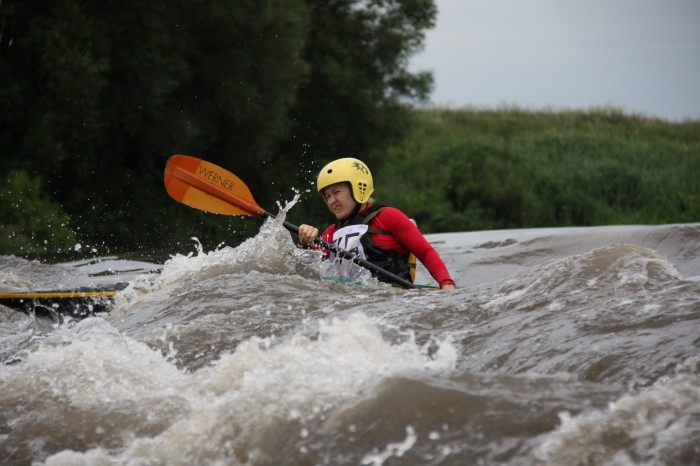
(473, 170)
(95, 96)
(31, 223)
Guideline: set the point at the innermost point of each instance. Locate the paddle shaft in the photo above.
(345, 254)
(253, 209)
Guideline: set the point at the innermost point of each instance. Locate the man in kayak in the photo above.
(380, 234)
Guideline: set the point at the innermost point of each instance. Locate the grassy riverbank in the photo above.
(475, 169)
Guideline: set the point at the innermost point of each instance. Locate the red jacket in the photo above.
(403, 237)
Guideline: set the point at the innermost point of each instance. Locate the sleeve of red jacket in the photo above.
(394, 221)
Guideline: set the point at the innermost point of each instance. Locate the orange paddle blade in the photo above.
(205, 186)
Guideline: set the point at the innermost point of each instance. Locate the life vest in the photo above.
(354, 236)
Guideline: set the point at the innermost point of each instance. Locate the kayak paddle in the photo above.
(205, 186)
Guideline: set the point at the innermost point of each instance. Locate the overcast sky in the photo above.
(642, 56)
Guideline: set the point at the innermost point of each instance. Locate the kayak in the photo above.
(77, 303)
(90, 301)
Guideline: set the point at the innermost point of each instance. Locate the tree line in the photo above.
(95, 96)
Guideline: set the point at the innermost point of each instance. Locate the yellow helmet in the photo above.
(349, 170)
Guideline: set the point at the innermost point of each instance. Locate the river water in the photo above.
(576, 346)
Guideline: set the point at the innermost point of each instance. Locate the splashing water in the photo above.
(558, 347)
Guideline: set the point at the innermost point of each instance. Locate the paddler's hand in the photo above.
(447, 285)
(307, 235)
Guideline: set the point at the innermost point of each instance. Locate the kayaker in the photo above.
(382, 235)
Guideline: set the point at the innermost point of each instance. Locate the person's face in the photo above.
(339, 200)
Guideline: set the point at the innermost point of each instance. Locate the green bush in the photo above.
(475, 170)
(31, 223)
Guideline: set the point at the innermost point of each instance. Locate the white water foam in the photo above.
(271, 250)
(394, 449)
(221, 408)
(646, 428)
